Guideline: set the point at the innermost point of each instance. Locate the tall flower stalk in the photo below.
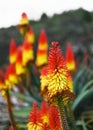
(10, 110)
(62, 114)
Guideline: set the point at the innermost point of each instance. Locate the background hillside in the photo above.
(75, 26)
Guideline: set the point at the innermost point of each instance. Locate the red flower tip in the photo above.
(43, 37)
(69, 53)
(54, 44)
(44, 71)
(70, 58)
(31, 30)
(34, 114)
(24, 15)
(55, 58)
(19, 54)
(12, 46)
(44, 108)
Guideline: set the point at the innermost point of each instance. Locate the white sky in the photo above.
(11, 10)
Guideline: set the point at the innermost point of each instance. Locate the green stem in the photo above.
(10, 110)
(71, 116)
(62, 114)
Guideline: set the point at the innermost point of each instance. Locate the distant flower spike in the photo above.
(70, 61)
(23, 24)
(42, 49)
(30, 38)
(19, 64)
(27, 55)
(13, 49)
(24, 20)
(11, 77)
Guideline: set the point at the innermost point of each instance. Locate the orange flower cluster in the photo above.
(55, 78)
(47, 118)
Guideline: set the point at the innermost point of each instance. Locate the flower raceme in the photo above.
(56, 78)
(42, 49)
(13, 49)
(35, 122)
(70, 61)
(8, 79)
(10, 76)
(23, 24)
(47, 118)
(24, 19)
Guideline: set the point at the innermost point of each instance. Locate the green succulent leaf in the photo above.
(87, 85)
(24, 97)
(81, 97)
(23, 112)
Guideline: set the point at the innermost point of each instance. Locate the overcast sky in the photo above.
(11, 10)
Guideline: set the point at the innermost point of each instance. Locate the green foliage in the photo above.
(82, 105)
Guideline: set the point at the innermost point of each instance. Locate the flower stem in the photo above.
(71, 116)
(62, 114)
(10, 110)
